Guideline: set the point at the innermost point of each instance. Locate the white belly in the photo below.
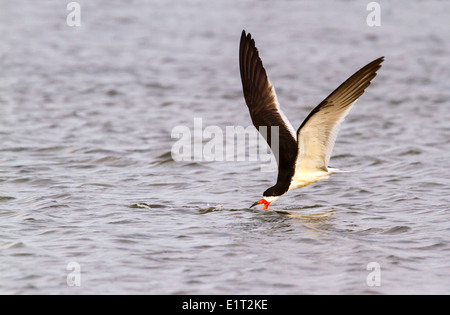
(304, 179)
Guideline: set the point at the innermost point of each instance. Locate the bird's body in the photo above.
(303, 154)
(300, 179)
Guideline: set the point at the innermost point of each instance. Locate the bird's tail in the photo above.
(336, 170)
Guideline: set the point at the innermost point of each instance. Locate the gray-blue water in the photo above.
(87, 175)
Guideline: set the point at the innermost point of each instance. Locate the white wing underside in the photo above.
(316, 140)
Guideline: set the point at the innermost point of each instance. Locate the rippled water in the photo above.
(87, 175)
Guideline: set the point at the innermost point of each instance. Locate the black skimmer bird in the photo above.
(303, 155)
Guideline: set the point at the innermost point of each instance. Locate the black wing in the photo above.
(263, 105)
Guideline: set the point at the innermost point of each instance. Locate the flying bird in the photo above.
(303, 154)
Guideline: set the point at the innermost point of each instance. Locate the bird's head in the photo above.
(266, 201)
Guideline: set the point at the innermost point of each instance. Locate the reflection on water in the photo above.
(316, 222)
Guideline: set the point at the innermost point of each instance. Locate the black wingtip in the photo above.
(244, 34)
(377, 61)
(377, 64)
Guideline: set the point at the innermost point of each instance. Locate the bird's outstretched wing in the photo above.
(318, 132)
(263, 105)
